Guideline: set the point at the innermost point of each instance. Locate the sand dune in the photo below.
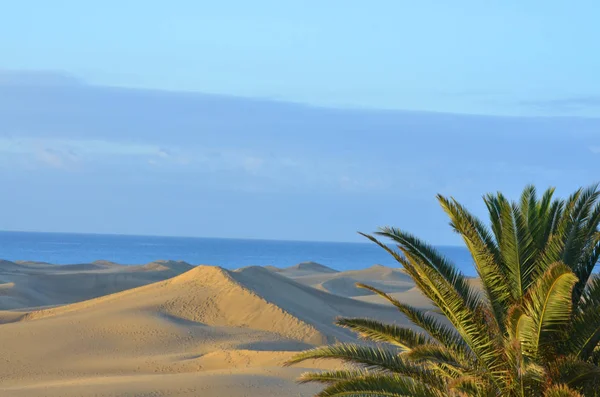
(346, 286)
(303, 269)
(411, 296)
(344, 283)
(381, 273)
(33, 284)
(206, 331)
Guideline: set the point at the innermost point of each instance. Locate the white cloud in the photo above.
(280, 168)
(51, 158)
(73, 148)
(163, 153)
(68, 153)
(252, 164)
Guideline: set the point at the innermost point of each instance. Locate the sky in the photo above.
(512, 57)
(296, 120)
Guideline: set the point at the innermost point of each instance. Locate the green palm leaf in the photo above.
(381, 386)
(485, 253)
(423, 319)
(455, 298)
(547, 310)
(331, 376)
(404, 338)
(430, 257)
(586, 323)
(437, 355)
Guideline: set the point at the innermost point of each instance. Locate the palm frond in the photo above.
(493, 203)
(546, 208)
(485, 254)
(381, 385)
(331, 376)
(547, 309)
(469, 385)
(441, 282)
(531, 379)
(431, 324)
(586, 323)
(479, 334)
(576, 374)
(561, 391)
(433, 353)
(578, 227)
(403, 337)
(517, 248)
(588, 261)
(367, 357)
(429, 256)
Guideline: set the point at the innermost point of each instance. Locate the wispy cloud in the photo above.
(163, 153)
(564, 105)
(81, 147)
(51, 158)
(252, 163)
(254, 168)
(38, 78)
(68, 153)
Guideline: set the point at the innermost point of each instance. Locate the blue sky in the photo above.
(291, 120)
(494, 57)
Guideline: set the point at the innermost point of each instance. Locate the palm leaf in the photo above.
(404, 338)
(586, 323)
(547, 309)
(561, 391)
(434, 354)
(493, 203)
(517, 248)
(485, 255)
(579, 228)
(370, 358)
(449, 290)
(479, 335)
(331, 376)
(587, 263)
(381, 386)
(431, 324)
(429, 256)
(469, 385)
(576, 374)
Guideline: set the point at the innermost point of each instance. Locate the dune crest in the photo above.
(36, 284)
(206, 295)
(204, 327)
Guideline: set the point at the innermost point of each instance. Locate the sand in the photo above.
(171, 329)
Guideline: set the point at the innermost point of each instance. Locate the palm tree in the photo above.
(532, 329)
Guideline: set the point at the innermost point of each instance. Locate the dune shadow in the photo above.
(179, 321)
(279, 345)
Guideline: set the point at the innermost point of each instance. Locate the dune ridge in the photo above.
(184, 331)
(207, 295)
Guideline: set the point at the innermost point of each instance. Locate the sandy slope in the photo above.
(31, 284)
(204, 332)
(344, 283)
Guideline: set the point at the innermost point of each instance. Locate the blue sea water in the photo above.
(67, 248)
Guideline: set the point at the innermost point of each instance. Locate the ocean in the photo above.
(70, 248)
